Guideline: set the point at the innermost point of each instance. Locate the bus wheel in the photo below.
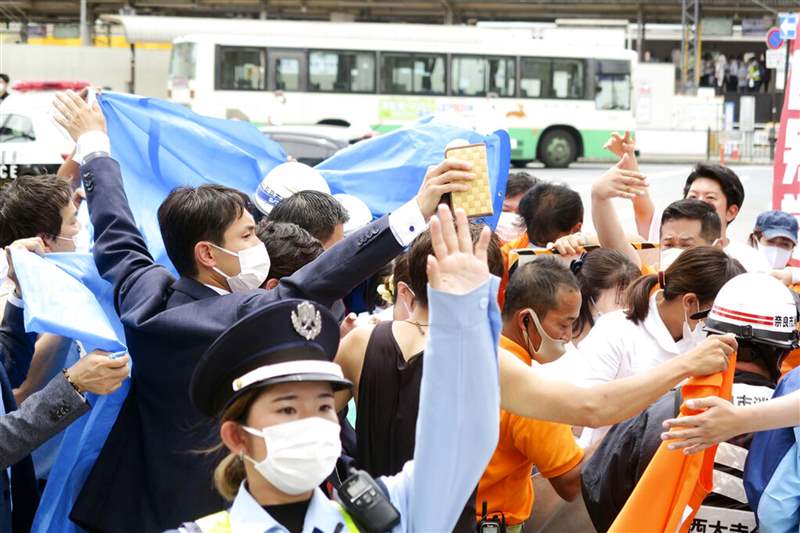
(520, 163)
(558, 149)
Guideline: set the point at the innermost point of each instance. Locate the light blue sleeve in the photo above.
(459, 411)
(779, 506)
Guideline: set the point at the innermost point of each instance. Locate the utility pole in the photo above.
(690, 45)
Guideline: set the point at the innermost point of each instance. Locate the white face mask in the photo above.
(300, 454)
(550, 349)
(668, 256)
(253, 268)
(691, 337)
(777, 258)
(509, 226)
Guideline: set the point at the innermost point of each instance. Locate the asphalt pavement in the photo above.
(666, 185)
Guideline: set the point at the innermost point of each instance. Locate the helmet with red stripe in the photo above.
(761, 312)
(755, 307)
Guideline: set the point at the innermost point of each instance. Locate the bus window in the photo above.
(479, 76)
(341, 72)
(412, 74)
(469, 76)
(613, 91)
(241, 68)
(567, 78)
(534, 79)
(183, 61)
(502, 78)
(287, 74)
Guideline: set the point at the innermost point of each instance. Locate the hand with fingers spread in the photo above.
(619, 145)
(620, 183)
(448, 176)
(98, 373)
(76, 116)
(717, 423)
(456, 267)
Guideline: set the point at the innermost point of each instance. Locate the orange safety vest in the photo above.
(674, 485)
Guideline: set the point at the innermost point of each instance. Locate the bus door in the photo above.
(287, 80)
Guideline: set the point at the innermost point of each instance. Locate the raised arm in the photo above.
(722, 421)
(458, 421)
(527, 393)
(617, 182)
(120, 250)
(643, 208)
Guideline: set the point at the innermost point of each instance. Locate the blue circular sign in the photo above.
(774, 40)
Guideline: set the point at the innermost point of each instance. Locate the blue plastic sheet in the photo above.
(65, 295)
(160, 146)
(387, 171)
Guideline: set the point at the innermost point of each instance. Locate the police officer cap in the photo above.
(289, 340)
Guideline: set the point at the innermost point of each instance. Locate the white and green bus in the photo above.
(559, 102)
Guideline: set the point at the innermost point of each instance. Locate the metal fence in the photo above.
(756, 147)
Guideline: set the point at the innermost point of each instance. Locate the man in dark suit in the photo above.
(149, 475)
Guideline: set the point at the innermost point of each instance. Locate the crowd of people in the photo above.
(308, 370)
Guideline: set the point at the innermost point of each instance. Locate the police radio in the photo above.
(495, 524)
(365, 501)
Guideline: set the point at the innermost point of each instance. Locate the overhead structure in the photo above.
(419, 11)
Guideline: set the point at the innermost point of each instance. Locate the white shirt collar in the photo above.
(216, 289)
(656, 327)
(248, 516)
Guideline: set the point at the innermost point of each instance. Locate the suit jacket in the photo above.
(152, 472)
(15, 343)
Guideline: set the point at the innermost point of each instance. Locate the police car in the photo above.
(30, 141)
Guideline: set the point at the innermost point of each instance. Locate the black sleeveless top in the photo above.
(388, 403)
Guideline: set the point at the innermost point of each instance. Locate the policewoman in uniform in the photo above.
(270, 380)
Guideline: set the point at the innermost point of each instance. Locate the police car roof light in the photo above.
(25, 86)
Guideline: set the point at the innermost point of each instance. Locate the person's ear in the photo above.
(204, 254)
(576, 228)
(718, 243)
(48, 242)
(691, 303)
(732, 213)
(271, 283)
(233, 437)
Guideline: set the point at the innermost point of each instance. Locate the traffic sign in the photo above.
(774, 40)
(787, 22)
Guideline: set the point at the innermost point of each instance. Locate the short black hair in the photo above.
(5, 77)
(290, 247)
(193, 214)
(550, 211)
(422, 247)
(316, 212)
(535, 285)
(728, 181)
(519, 183)
(693, 209)
(31, 206)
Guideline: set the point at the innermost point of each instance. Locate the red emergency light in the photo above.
(26, 86)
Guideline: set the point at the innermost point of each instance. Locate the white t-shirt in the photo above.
(750, 258)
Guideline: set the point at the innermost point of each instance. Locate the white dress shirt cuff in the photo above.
(16, 302)
(406, 222)
(92, 142)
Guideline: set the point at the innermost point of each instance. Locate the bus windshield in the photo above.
(183, 61)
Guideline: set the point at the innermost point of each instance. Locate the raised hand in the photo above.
(620, 183)
(448, 176)
(569, 245)
(619, 145)
(456, 267)
(33, 244)
(75, 115)
(712, 355)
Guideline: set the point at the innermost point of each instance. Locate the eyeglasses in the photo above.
(700, 315)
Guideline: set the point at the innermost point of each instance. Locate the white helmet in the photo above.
(283, 181)
(761, 312)
(359, 212)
